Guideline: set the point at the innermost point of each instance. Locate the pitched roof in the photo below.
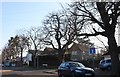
(33, 52)
(81, 47)
(48, 51)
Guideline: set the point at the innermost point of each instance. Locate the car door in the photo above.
(62, 69)
(67, 69)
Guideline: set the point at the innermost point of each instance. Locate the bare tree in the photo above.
(59, 32)
(102, 18)
(22, 45)
(35, 38)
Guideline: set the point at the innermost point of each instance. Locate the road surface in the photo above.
(30, 72)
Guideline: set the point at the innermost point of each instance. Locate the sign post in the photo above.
(92, 52)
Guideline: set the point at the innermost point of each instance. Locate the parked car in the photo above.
(105, 64)
(74, 69)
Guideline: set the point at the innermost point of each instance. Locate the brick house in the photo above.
(78, 52)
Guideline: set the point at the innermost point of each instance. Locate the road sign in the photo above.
(92, 51)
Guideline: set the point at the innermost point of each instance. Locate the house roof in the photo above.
(33, 52)
(81, 47)
(49, 51)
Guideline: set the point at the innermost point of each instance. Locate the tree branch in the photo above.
(50, 42)
(94, 34)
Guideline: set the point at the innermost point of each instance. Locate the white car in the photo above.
(105, 64)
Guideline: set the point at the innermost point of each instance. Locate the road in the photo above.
(27, 72)
(30, 72)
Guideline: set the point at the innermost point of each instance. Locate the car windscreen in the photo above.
(76, 65)
(62, 65)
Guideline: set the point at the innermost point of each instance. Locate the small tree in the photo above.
(16, 45)
(35, 39)
(12, 46)
(22, 45)
(5, 53)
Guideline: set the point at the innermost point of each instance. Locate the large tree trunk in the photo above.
(61, 55)
(35, 57)
(34, 61)
(115, 64)
(114, 56)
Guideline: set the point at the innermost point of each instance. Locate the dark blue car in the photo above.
(74, 69)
